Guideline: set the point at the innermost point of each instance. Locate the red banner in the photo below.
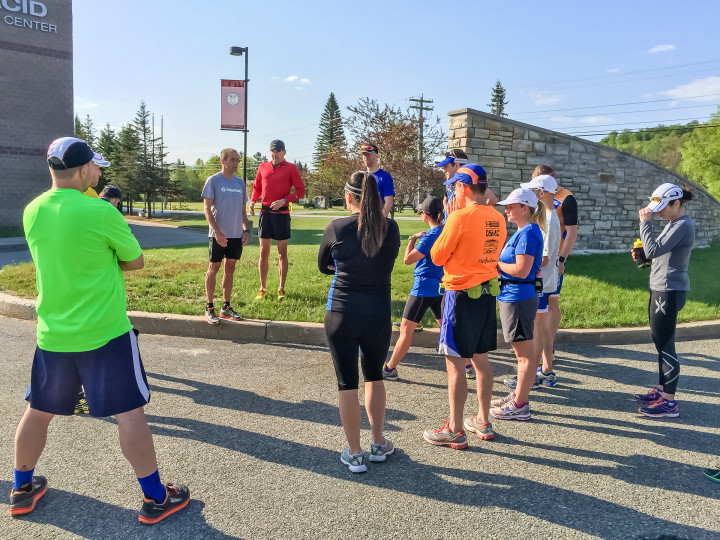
(232, 109)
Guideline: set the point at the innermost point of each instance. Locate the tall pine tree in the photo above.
(331, 130)
(497, 101)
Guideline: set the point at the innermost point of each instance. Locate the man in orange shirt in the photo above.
(468, 248)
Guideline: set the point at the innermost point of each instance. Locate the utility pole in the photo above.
(421, 108)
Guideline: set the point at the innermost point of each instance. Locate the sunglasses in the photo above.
(366, 148)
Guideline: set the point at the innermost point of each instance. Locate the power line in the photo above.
(642, 130)
(625, 112)
(634, 123)
(618, 104)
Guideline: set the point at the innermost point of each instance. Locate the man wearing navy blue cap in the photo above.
(450, 163)
(385, 184)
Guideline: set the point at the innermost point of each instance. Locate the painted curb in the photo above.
(304, 333)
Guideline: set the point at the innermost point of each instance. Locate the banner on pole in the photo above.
(232, 108)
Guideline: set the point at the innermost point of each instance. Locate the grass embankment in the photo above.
(599, 290)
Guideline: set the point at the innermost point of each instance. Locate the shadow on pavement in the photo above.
(90, 518)
(246, 401)
(457, 486)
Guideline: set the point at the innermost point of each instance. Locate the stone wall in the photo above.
(610, 186)
(36, 105)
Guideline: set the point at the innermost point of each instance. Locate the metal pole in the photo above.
(246, 122)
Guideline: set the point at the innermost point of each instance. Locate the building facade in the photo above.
(36, 96)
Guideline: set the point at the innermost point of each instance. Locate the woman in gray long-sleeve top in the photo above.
(669, 283)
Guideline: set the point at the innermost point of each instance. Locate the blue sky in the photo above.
(549, 56)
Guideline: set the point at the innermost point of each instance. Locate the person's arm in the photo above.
(447, 241)
(256, 192)
(127, 266)
(412, 255)
(246, 226)
(326, 263)
(219, 236)
(655, 247)
(520, 268)
(387, 205)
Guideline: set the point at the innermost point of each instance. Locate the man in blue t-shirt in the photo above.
(384, 180)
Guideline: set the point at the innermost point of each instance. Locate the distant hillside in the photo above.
(691, 150)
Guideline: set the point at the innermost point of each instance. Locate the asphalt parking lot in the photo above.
(254, 431)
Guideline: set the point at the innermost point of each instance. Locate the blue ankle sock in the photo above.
(22, 476)
(153, 488)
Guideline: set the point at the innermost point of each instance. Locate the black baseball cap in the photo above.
(432, 206)
(111, 192)
(278, 145)
(368, 148)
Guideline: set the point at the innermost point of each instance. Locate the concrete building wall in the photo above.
(610, 186)
(36, 96)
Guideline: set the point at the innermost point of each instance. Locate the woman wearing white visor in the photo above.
(669, 283)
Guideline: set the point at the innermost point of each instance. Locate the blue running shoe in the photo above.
(645, 399)
(662, 408)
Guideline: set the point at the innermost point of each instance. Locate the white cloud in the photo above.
(709, 87)
(82, 104)
(304, 81)
(613, 70)
(291, 78)
(595, 119)
(541, 99)
(661, 48)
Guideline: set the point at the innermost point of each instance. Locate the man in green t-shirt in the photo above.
(80, 247)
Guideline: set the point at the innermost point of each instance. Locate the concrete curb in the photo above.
(304, 333)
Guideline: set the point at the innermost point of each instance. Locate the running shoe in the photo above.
(545, 380)
(356, 463)
(210, 316)
(510, 411)
(230, 313)
(379, 452)
(389, 375)
(469, 372)
(661, 408)
(81, 407)
(176, 499)
(261, 294)
(483, 430)
(281, 294)
(511, 382)
(24, 499)
(713, 474)
(443, 436)
(503, 400)
(645, 399)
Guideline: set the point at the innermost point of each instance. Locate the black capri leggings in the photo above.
(663, 309)
(348, 333)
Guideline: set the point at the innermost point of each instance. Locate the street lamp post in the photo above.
(239, 51)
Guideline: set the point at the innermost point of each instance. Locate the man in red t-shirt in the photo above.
(273, 184)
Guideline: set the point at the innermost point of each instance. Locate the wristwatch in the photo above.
(562, 259)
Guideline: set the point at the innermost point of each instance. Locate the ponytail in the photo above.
(372, 225)
(687, 195)
(540, 216)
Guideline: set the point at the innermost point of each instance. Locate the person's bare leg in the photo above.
(524, 351)
(263, 262)
(30, 438)
(407, 327)
(457, 390)
(227, 282)
(210, 280)
(543, 322)
(484, 374)
(282, 261)
(351, 419)
(375, 407)
(136, 442)
(555, 316)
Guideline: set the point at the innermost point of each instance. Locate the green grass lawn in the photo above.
(599, 290)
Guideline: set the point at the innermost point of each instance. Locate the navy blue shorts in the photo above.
(560, 280)
(113, 378)
(469, 325)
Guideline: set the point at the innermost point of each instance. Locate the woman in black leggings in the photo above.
(669, 283)
(360, 251)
